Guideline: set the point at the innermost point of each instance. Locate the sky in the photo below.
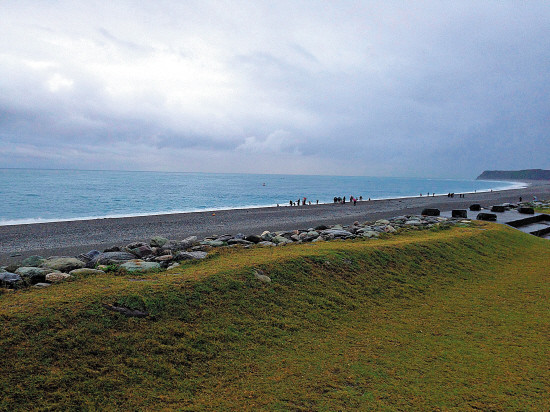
(375, 88)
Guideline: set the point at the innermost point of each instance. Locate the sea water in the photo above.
(33, 195)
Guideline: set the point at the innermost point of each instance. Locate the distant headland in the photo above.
(528, 174)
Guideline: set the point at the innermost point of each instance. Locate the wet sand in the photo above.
(72, 238)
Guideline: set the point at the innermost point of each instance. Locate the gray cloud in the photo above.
(442, 89)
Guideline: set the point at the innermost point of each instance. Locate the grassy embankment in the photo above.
(450, 319)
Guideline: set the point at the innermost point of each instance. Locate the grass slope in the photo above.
(452, 320)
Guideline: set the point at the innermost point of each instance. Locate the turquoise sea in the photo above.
(33, 195)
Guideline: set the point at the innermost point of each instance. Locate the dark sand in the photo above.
(72, 238)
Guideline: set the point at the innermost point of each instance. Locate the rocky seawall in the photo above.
(162, 253)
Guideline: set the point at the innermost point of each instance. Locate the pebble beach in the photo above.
(71, 238)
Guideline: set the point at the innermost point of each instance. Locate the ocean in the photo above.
(35, 195)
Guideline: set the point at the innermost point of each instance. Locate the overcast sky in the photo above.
(379, 88)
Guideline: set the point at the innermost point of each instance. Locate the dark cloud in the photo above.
(423, 89)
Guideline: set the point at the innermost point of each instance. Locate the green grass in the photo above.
(429, 320)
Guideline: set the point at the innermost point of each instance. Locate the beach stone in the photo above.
(336, 233)
(265, 243)
(178, 245)
(370, 233)
(253, 238)
(389, 229)
(135, 245)
(173, 265)
(498, 208)
(111, 258)
(461, 213)
(491, 217)
(42, 285)
(86, 272)
(32, 275)
(86, 257)
(321, 227)
(431, 212)
(112, 249)
(164, 258)
(413, 222)
(475, 207)
(526, 210)
(57, 277)
(191, 255)
(382, 222)
(280, 240)
(158, 241)
(266, 235)
(262, 277)
(239, 242)
(142, 251)
(213, 243)
(11, 280)
(138, 265)
(33, 261)
(63, 264)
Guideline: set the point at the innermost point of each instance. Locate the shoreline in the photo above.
(71, 238)
(37, 221)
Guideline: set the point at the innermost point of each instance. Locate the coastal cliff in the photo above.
(528, 174)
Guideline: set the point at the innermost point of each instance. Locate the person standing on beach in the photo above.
(344, 200)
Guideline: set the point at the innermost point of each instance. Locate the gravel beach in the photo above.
(71, 238)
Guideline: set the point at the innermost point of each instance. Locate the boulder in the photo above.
(191, 255)
(177, 245)
(280, 240)
(164, 258)
(382, 222)
(11, 280)
(42, 285)
(498, 208)
(63, 264)
(262, 277)
(138, 265)
(141, 251)
(321, 227)
(491, 217)
(462, 213)
(33, 261)
(224, 238)
(476, 207)
(370, 233)
(526, 210)
(57, 277)
(253, 238)
(214, 243)
(110, 258)
(336, 233)
(86, 257)
(86, 272)
(112, 249)
(32, 275)
(239, 242)
(431, 212)
(158, 241)
(265, 243)
(266, 236)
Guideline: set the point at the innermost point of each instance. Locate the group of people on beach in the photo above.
(461, 195)
(337, 199)
(352, 199)
(302, 201)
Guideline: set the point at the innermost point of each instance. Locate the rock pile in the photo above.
(161, 253)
